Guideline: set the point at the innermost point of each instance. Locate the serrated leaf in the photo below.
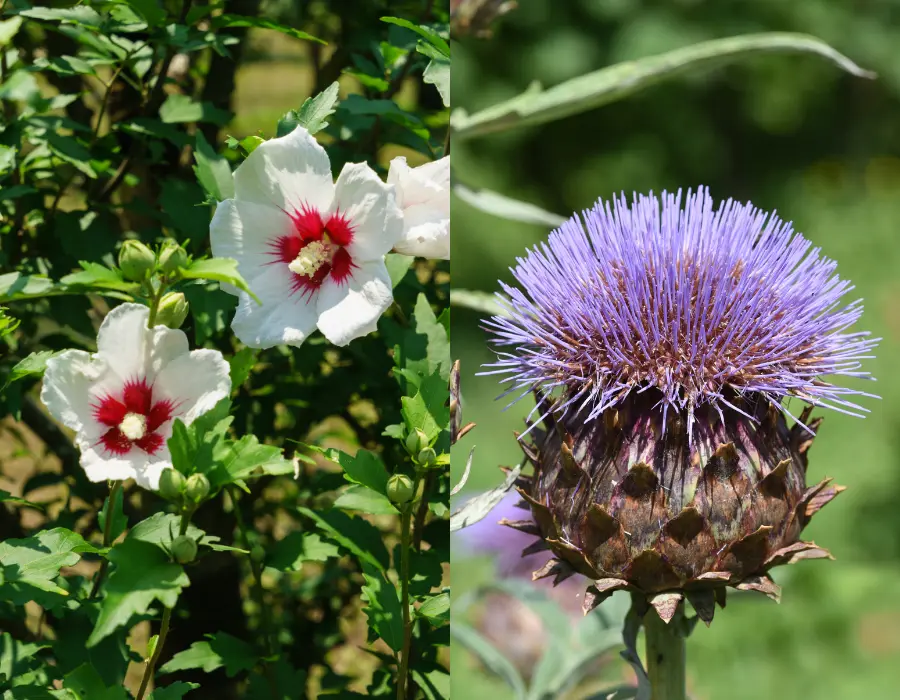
(219, 270)
(34, 562)
(212, 170)
(438, 343)
(86, 681)
(592, 90)
(143, 575)
(290, 553)
(312, 113)
(430, 35)
(383, 610)
(437, 73)
(80, 14)
(100, 276)
(15, 285)
(364, 468)
(32, 366)
(397, 266)
(150, 10)
(436, 609)
(231, 20)
(174, 691)
(428, 410)
(478, 507)
(365, 500)
(359, 537)
(221, 650)
(180, 109)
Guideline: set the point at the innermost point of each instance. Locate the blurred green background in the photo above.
(788, 132)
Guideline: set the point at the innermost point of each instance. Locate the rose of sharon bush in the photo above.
(121, 401)
(310, 248)
(423, 194)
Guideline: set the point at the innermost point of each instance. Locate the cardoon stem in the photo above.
(665, 659)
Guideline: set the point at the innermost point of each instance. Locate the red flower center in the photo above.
(315, 250)
(133, 419)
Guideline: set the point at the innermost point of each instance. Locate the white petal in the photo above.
(100, 465)
(285, 317)
(148, 477)
(352, 309)
(371, 208)
(131, 349)
(287, 173)
(426, 184)
(72, 382)
(426, 233)
(194, 383)
(247, 231)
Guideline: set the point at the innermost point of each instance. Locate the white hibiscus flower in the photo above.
(121, 401)
(310, 248)
(423, 194)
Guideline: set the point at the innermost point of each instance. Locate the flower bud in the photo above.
(184, 549)
(173, 309)
(427, 458)
(172, 257)
(258, 553)
(197, 487)
(399, 489)
(171, 484)
(416, 441)
(136, 260)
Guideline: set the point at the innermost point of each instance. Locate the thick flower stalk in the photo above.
(663, 342)
(122, 400)
(423, 194)
(310, 248)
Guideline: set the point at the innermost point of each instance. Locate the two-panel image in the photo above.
(294, 404)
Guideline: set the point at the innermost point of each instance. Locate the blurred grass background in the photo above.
(790, 133)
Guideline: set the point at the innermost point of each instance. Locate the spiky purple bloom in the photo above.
(700, 302)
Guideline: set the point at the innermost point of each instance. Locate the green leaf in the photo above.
(219, 270)
(100, 276)
(592, 90)
(364, 468)
(32, 366)
(15, 285)
(230, 20)
(290, 553)
(8, 29)
(241, 363)
(397, 266)
(150, 10)
(485, 302)
(506, 208)
(312, 113)
(175, 691)
(430, 35)
(212, 170)
(383, 610)
(366, 500)
(86, 681)
(438, 343)
(240, 459)
(16, 657)
(436, 609)
(221, 650)
(437, 73)
(478, 507)
(80, 14)
(427, 410)
(65, 65)
(489, 655)
(34, 562)
(178, 109)
(356, 535)
(6, 496)
(142, 576)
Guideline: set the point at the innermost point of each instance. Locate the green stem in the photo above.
(665, 659)
(405, 537)
(259, 594)
(154, 306)
(114, 488)
(164, 625)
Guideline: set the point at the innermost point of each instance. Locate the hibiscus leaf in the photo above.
(6, 496)
(438, 346)
(220, 650)
(383, 608)
(430, 35)
(364, 468)
(437, 72)
(428, 410)
(143, 575)
(365, 500)
(241, 364)
(179, 109)
(312, 113)
(32, 366)
(99, 276)
(219, 270)
(87, 683)
(436, 609)
(398, 265)
(212, 170)
(356, 535)
(230, 20)
(297, 548)
(174, 691)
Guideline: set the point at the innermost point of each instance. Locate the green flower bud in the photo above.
(136, 260)
(258, 554)
(172, 257)
(173, 309)
(400, 489)
(184, 549)
(197, 487)
(171, 484)
(416, 441)
(427, 458)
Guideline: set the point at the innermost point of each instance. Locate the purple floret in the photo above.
(696, 302)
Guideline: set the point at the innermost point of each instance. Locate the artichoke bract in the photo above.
(662, 344)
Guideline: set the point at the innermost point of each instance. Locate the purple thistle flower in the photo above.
(703, 304)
